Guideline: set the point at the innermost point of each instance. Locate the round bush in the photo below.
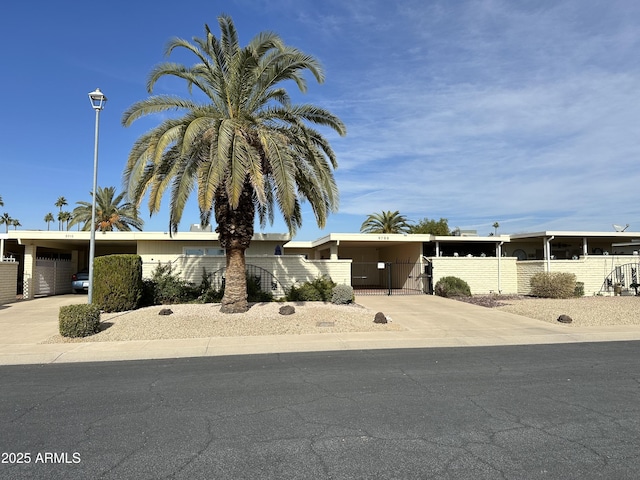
(452, 287)
(342, 295)
(79, 320)
(554, 285)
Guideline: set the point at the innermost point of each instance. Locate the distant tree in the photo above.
(1, 202)
(65, 218)
(49, 218)
(6, 219)
(433, 227)
(495, 228)
(385, 222)
(113, 212)
(61, 202)
(15, 223)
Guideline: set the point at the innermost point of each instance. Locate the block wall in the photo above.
(591, 270)
(287, 269)
(481, 273)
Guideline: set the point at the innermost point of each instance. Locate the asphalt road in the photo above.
(525, 412)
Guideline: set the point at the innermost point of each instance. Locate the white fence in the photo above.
(53, 277)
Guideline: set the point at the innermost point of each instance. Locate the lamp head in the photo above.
(97, 99)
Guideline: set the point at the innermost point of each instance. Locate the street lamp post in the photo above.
(97, 102)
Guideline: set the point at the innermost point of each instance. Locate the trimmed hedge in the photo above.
(452, 287)
(554, 285)
(79, 320)
(117, 282)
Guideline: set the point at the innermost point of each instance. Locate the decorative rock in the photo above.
(287, 310)
(565, 319)
(380, 318)
(165, 311)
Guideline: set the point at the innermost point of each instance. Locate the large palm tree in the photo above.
(113, 212)
(49, 218)
(246, 149)
(385, 222)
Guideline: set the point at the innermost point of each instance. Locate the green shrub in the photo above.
(579, 291)
(452, 287)
(553, 285)
(342, 295)
(79, 320)
(255, 292)
(166, 287)
(117, 282)
(318, 290)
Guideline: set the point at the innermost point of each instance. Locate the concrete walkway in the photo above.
(429, 321)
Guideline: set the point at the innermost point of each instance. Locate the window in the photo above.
(203, 251)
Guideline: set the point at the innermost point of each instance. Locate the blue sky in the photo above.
(521, 112)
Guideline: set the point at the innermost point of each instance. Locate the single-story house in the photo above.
(38, 263)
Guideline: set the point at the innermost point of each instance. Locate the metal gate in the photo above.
(268, 283)
(389, 278)
(52, 277)
(623, 278)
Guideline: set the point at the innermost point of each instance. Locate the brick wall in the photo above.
(8, 282)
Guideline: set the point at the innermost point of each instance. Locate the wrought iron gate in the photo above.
(625, 277)
(389, 278)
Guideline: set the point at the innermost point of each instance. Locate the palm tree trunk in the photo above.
(235, 290)
(235, 229)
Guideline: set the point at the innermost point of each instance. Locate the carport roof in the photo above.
(389, 239)
(71, 238)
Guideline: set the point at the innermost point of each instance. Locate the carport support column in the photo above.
(585, 247)
(29, 271)
(333, 250)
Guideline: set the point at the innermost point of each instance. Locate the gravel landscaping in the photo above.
(203, 321)
(584, 311)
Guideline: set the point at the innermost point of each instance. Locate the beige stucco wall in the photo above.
(359, 254)
(481, 273)
(8, 282)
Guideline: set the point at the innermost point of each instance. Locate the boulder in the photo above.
(287, 310)
(165, 311)
(380, 318)
(565, 319)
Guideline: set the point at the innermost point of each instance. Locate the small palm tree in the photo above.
(1, 202)
(15, 223)
(247, 149)
(385, 222)
(113, 212)
(495, 228)
(49, 218)
(61, 202)
(65, 218)
(6, 219)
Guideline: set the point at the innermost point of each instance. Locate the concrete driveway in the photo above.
(429, 321)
